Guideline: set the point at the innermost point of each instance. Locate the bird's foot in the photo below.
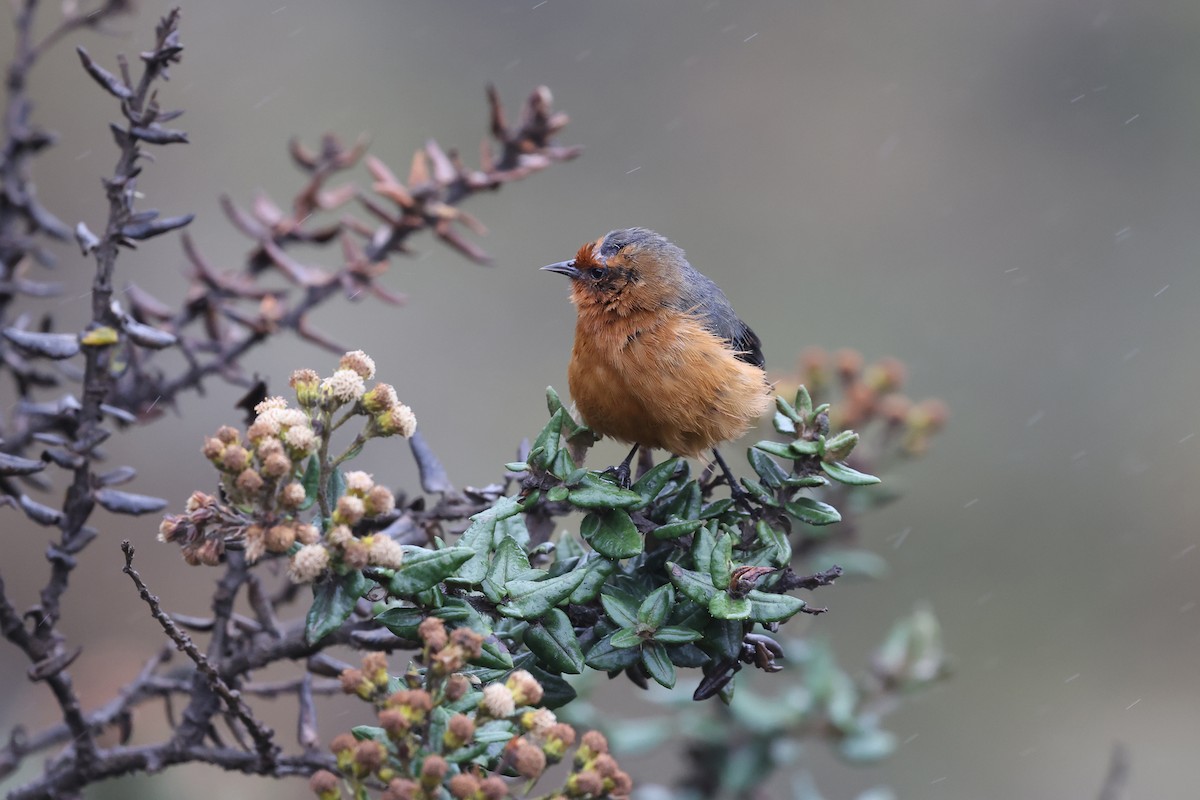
(621, 473)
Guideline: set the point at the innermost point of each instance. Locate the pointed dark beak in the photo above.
(563, 268)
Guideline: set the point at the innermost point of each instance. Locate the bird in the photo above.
(660, 358)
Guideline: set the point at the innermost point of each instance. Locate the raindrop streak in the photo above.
(748, 38)
(1131, 119)
(970, 503)
(635, 169)
(1134, 703)
(1035, 419)
(1183, 552)
(1073, 677)
(1163, 289)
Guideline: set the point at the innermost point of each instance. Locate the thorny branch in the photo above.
(225, 314)
(264, 737)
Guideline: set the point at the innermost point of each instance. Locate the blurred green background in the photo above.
(1002, 194)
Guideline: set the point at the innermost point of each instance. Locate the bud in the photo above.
(307, 384)
(380, 399)
(280, 538)
(228, 434)
(292, 496)
(325, 785)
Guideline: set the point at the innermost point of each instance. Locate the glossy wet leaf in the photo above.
(554, 642)
(531, 599)
(611, 533)
(423, 569)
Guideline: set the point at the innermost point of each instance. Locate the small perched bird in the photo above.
(660, 359)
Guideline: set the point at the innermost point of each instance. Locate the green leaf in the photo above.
(783, 425)
(658, 664)
(603, 656)
(772, 474)
(676, 635)
(401, 621)
(480, 537)
(312, 476)
(776, 543)
(837, 448)
(508, 562)
(513, 526)
(364, 732)
(685, 504)
(626, 637)
(716, 508)
(546, 444)
(611, 533)
(598, 569)
(867, 746)
(595, 492)
(804, 447)
(843, 474)
(557, 494)
(333, 602)
(553, 403)
(768, 607)
(804, 403)
(556, 691)
(653, 611)
(722, 606)
(655, 479)
(532, 599)
(721, 565)
(806, 481)
(563, 466)
(673, 530)
(695, 586)
(555, 644)
(814, 512)
(779, 449)
(423, 569)
(336, 487)
(620, 607)
(723, 637)
(786, 408)
(517, 466)
(702, 547)
(495, 732)
(493, 655)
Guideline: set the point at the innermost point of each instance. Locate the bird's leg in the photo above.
(622, 471)
(739, 495)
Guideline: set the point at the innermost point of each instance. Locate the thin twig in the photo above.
(263, 736)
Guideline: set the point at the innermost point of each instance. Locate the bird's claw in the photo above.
(621, 473)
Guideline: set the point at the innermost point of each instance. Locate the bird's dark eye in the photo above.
(596, 273)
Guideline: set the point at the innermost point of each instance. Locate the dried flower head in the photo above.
(380, 501)
(344, 386)
(526, 690)
(359, 362)
(308, 563)
(350, 510)
(358, 483)
(497, 701)
(383, 551)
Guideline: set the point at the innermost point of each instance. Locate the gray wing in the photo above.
(705, 299)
